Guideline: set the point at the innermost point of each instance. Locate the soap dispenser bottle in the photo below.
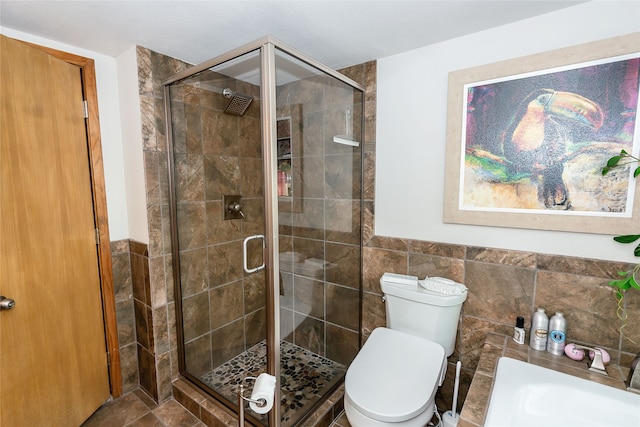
(557, 334)
(539, 330)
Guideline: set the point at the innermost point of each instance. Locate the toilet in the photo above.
(394, 377)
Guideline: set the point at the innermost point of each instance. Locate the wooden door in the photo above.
(53, 358)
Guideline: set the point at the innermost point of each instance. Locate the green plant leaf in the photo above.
(633, 283)
(636, 172)
(629, 238)
(613, 161)
(636, 251)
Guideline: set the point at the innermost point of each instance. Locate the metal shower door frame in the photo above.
(267, 47)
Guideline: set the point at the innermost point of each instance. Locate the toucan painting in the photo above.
(536, 140)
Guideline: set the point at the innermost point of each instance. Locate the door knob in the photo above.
(6, 303)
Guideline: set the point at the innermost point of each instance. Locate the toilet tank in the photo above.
(427, 314)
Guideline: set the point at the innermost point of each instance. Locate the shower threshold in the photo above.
(305, 378)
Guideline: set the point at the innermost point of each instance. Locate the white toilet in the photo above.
(394, 378)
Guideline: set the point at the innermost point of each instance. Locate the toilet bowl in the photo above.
(394, 377)
(393, 380)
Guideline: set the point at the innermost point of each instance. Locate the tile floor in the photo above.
(136, 409)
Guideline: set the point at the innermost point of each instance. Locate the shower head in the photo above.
(238, 103)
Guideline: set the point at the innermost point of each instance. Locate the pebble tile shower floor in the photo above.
(305, 377)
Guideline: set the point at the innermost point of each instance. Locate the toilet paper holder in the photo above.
(242, 398)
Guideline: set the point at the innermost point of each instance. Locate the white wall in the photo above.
(116, 107)
(132, 145)
(411, 129)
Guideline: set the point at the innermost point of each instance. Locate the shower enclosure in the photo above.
(265, 158)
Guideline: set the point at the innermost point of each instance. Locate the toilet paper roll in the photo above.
(264, 388)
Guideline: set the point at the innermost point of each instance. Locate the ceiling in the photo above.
(337, 33)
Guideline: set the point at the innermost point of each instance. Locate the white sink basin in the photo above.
(528, 395)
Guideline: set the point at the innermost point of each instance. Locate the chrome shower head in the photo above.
(238, 103)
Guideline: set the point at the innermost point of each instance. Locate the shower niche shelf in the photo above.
(285, 158)
(289, 159)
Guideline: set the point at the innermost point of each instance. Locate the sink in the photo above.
(526, 395)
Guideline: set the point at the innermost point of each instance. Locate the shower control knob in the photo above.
(234, 207)
(6, 303)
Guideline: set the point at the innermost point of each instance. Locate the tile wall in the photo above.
(217, 154)
(504, 284)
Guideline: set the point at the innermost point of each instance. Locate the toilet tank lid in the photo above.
(395, 375)
(415, 292)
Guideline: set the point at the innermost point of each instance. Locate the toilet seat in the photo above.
(395, 375)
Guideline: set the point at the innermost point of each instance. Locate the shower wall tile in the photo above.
(219, 133)
(121, 267)
(253, 222)
(340, 303)
(254, 292)
(192, 225)
(225, 263)
(151, 176)
(156, 238)
(193, 119)
(226, 304)
(344, 266)
(311, 172)
(195, 315)
(227, 342)
(309, 296)
(222, 176)
(309, 334)
(148, 375)
(342, 344)
(198, 355)
(189, 177)
(218, 229)
(342, 219)
(250, 138)
(129, 367)
(313, 135)
(125, 317)
(160, 330)
(251, 173)
(194, 272)
(255, 327)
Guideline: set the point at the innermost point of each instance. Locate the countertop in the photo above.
(496, 346)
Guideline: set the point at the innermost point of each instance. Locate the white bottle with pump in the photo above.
(539, 330)
(557, 334)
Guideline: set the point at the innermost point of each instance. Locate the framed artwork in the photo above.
(527, 139)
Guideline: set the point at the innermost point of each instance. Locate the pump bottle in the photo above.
(539, 330)
(557, 334)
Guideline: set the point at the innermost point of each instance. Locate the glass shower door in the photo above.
(265, 143)
(319, 169)
(217, 180)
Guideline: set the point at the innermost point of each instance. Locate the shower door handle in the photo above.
(244, 254)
